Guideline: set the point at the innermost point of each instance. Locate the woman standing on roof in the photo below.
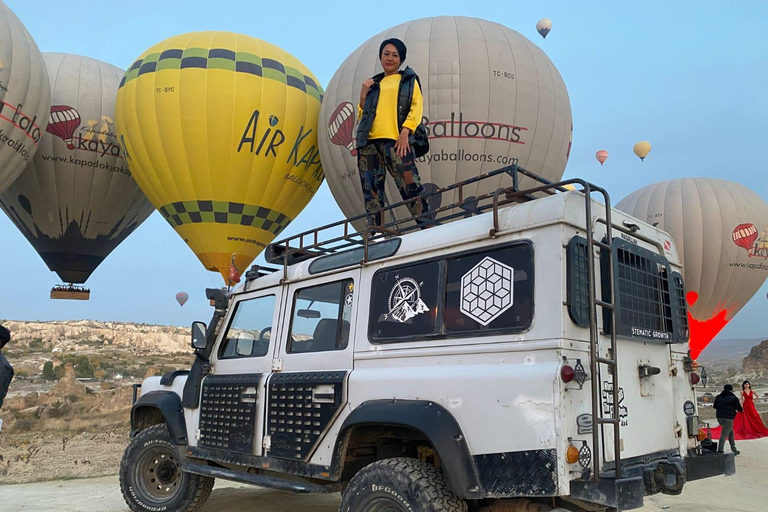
(390, 110)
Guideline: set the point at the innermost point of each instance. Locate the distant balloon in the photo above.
(543, 26)
(601, 156)
(642, 149)
(76, 200)
(25, 97)
(720, 229)
(220, 131)
(523, 116)
(182, 298)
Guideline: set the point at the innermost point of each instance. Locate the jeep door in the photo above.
(231, 405)
(307, 388)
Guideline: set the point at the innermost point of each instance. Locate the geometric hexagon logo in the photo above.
(486, 290)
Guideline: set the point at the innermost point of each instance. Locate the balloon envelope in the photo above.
(76, 200)
(720, 229)
(642, 149)
(25, 97)
(601, 156)
(220, 131)
(543, 26)
(491, 99)
(182, 298)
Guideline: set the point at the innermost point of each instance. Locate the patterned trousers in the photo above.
(373, 160)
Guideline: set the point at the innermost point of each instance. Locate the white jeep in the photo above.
(531, 355)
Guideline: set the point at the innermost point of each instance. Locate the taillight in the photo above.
(572, 454)
(567, 373)
(702, 435)
(695, 378)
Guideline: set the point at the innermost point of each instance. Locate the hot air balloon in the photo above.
(601, 156)
(182, 298)
(220, 132)
(491, 99)
(62, 122)
(76, 200)
(543, 26)
(341, 125)
(642, 149)
(720, 229)
(25, 97)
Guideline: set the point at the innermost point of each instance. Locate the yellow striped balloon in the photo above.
(220, 132)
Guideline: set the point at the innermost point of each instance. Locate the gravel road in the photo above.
(744, 492)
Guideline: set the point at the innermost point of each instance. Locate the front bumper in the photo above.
(644, 476)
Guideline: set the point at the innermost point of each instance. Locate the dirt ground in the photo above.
(744, 492)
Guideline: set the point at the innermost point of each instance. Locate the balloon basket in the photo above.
(70, 292)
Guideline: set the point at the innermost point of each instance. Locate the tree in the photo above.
(48, 373)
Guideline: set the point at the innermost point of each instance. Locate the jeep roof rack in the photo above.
(342, 235)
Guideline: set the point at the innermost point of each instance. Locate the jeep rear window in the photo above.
(649, 300)
(471, 293)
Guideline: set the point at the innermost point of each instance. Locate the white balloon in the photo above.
(25, 97)
(543, 26)
(76, 200)
(720, 230)
(491, 98)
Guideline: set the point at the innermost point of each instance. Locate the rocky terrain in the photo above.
(68, 409)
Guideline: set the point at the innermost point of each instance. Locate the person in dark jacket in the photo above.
(6, 370)
(391, 106)
(727, 405)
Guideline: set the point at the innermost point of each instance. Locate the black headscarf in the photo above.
(401, 49)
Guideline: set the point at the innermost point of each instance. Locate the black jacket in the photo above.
(6, 370)
(726, 405)
(404, 97)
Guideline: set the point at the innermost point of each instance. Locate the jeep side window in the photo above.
(321, 316)
(404, 301)
(250, 330)
(490, 290)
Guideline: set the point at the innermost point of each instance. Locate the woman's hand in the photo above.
(367, 84)
(402, 146)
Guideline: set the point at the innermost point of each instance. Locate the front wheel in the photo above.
(400, 485)
(151, 478)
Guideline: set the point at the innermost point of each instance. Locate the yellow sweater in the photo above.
(385, 123)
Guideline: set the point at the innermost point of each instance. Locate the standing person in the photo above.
(727, 405)
(390, 109)
(748, 424)
(6, 370)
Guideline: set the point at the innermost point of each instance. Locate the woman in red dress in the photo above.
(747, 424)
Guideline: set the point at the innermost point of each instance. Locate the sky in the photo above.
(690, 78)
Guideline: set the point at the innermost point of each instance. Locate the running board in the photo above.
(269, 482)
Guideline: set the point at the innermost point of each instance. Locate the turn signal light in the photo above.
(572, 454)
(702, 435)
(695, 378)
(567, 373)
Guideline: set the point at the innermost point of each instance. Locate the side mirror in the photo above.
(199, 340)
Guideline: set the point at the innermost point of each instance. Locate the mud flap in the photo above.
(711, 464)
(621, 494)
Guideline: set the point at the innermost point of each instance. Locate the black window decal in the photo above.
(404, 301)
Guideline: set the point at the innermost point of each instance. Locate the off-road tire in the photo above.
(151, 450)
(401, 484)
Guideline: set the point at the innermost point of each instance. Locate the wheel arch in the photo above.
(160, 407)
(437, 425)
